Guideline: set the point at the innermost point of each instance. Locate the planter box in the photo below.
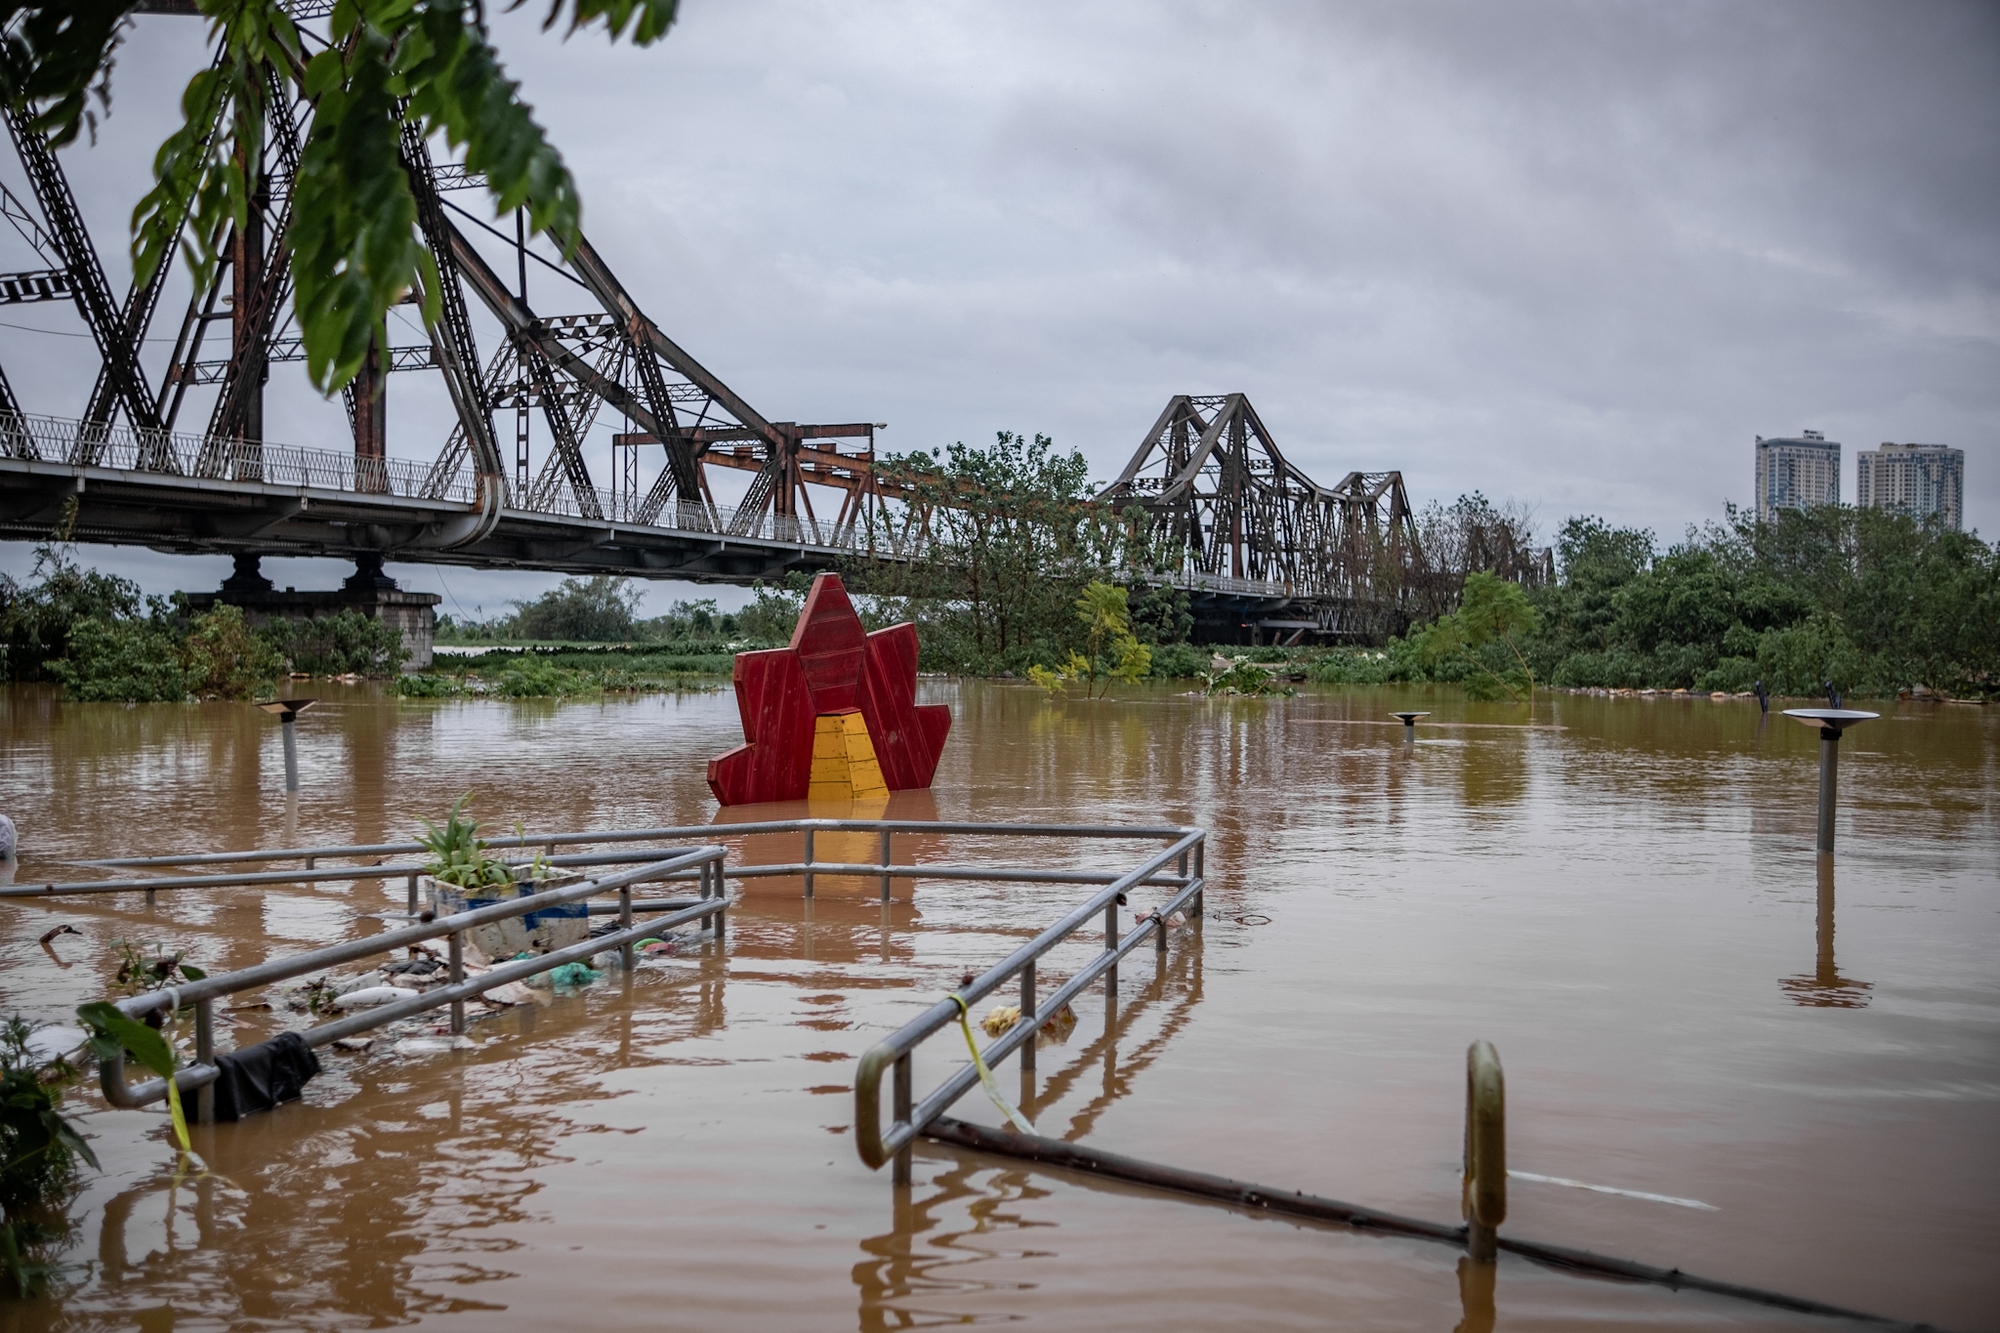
(554, 927)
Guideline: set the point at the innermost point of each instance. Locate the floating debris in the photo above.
(367, 997)
(431, 1045)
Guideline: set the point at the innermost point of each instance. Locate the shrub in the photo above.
(221, 656)
(1179, 661)
(120, 661)
(39, 1150)
(338, 645)
(1798, 660)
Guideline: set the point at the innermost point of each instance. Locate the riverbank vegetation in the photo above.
(604, 610)
(566, 672)
(94, 635)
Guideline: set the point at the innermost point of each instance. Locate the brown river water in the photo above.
(1623, 898)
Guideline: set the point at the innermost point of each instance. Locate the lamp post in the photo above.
(1831, 722)
(1409, 721)
(287, 712)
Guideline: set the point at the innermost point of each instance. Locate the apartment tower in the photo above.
(1921, 480)
(1796, 473)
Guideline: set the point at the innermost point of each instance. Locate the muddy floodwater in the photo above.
(1803, 1063)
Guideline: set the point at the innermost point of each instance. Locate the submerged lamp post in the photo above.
(1831, 722)
(287, 712)
(1409, 721)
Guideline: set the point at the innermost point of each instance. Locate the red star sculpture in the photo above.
(831, 666)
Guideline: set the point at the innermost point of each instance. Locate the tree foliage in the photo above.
(594, 610)
(1110, 650)
(37, 618)
(1009, 543)
(354, 243)
(1492, 614)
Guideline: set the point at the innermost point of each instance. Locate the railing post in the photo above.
(1110, 943)
(1200, 850)
(1485, 1183)
(721, 917)
(901, 1107)
(204, 1053)
(413, 895)
(457, 975)
(1028, 1012)
(886, 863)
(809, 864)
(625, 923)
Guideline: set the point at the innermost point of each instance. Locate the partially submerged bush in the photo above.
(346, 644)
(39, 1152)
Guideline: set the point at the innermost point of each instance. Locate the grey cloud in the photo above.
(1574, 253)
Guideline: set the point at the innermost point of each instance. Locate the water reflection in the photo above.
(1475, 1296)
(1825, 988)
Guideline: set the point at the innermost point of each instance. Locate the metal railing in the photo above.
(909, 1117)
(809, 869)
(1176, 868)
(702, 862)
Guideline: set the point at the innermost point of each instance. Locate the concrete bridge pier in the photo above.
(368, 590)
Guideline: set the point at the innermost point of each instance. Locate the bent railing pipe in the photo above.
(1485, 1187)
(111, 1072)
(878, 1148)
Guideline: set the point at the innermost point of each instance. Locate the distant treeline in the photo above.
(1870, 601)
(604, 609)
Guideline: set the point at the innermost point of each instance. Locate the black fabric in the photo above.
(262, 1076)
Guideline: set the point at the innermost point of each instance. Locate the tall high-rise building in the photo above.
(1918, 479)
(1797, 473)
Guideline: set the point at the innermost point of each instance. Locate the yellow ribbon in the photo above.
(986, 1079)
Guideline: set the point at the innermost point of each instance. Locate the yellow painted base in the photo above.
(844, 767)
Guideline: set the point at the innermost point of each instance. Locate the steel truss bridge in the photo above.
(702, 485)
(177, 459)
(1259, 544)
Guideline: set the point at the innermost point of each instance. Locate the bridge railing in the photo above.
(173, 453)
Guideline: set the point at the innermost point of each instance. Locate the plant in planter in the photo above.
(458, 856)
(463, 874)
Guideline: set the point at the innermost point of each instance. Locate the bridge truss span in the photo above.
(583, 413)
(1258, 543)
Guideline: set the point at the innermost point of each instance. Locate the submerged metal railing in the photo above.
(909, 1118)
(1176, 868)
(809, 869)
(702, 862)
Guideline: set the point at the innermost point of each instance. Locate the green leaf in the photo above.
(55, 55)
(112, 1031)
(193, 973)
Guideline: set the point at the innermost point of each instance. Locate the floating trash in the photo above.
(370, 996)
(432, 1045)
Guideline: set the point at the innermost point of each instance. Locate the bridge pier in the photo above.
(368, 590)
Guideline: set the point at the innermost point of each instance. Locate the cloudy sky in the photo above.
(1572, 255)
